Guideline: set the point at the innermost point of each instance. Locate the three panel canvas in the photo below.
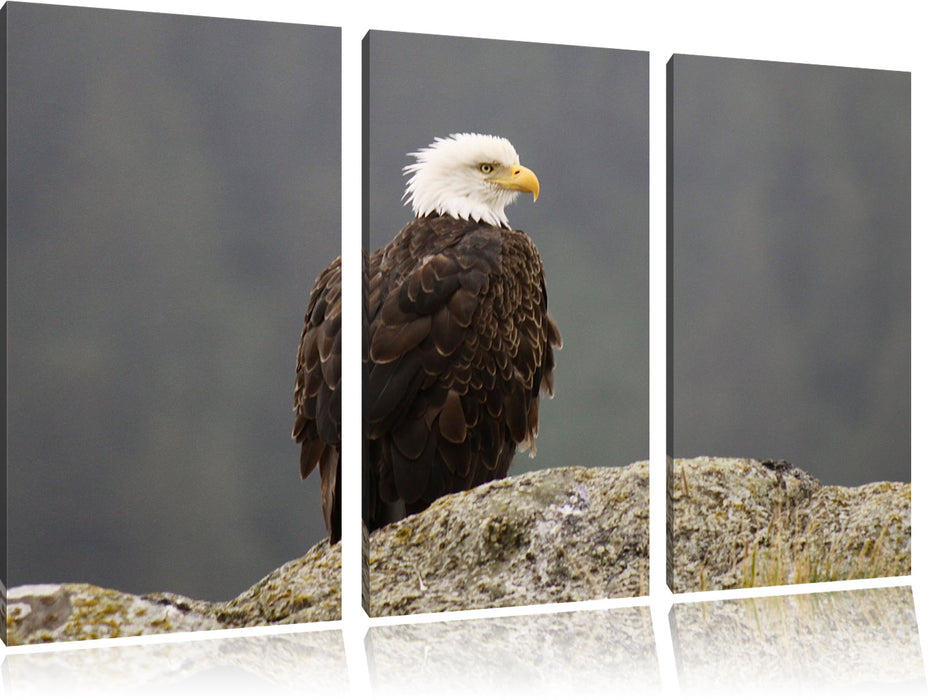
(172, 197)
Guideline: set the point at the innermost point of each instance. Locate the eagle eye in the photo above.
(486, 168)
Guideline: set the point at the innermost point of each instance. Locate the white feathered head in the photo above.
(468, 176)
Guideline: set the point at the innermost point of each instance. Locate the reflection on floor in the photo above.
(840, 642)
(858, 640)
(276, 665)
(576, 654)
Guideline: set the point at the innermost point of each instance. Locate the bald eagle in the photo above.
(459, 343)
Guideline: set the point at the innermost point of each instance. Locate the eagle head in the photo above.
(468, 176)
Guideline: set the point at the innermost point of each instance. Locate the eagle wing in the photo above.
(317, 397)
(460, 345)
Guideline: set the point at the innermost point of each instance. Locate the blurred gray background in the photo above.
(173, 192)
(578, 118)
(791, 266)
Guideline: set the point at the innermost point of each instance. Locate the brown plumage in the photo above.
(459, 347)
(317, 397)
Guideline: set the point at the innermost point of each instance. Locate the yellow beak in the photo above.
(519, 178)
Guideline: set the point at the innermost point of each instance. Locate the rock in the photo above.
(549, 536)
(307, 589)
(739, 522)
(303, 590)
(60, 612)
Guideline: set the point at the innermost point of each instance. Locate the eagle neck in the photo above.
(435, 214)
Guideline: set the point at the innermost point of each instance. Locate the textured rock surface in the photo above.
(549, 536)
(53, 612)
(303, 590)
(739, 522)
(307, 589)
(543, 537)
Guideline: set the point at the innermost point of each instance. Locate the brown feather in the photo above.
(317, 396)
(460, 346)
(389, 343)
(311, 453)
(452, 423)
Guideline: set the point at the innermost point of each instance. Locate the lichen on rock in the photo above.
(736, 523)
(78, 611)
(303, 590)
(555, 535)
(549, 536)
